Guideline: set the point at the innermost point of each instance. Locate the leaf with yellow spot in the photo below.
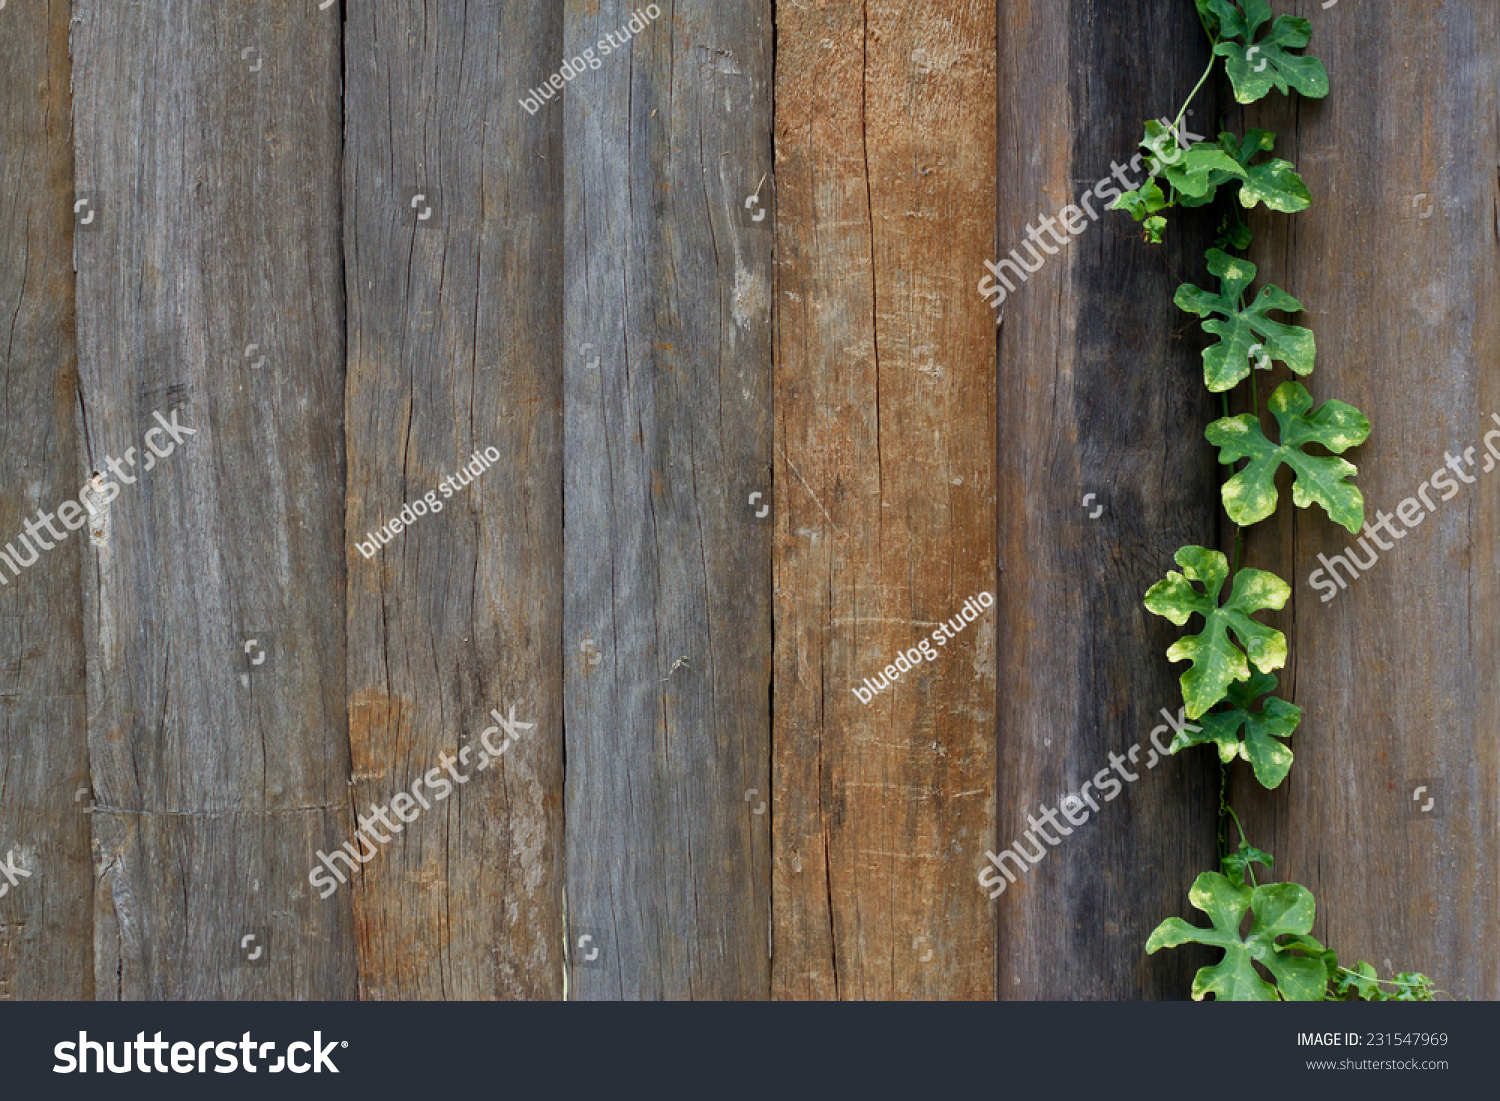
(1217, 661)
(1280, 910)
(1245, 332)
(1250, 496)
(1270, 759)
(1255, 67)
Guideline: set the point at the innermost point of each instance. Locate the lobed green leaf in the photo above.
(1250, 496)
(1256, 66)
(1279, 910)
(1274, 182)
(1216, 660)
(1269, 758)
(1245, 335)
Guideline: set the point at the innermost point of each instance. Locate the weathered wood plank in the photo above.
(667, 433)
(208, 142)
(45, 940)
(1398, 264)
(1095, 397)
(885, 399)
(454, 347)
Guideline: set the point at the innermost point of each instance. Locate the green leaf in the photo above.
(1274, 182)
(1277, 719)
(1234, 865)
(1231, 23)
(1251, 496)
(1194, 172)
(1255, 67)
(1142, 202)
(1309, 945)
(1142, 205)
(1233, 234)
(1360, 981)
(1217, 661)
(1207, 17)
(1245, 332)
(1280, 909)
(1413, 986)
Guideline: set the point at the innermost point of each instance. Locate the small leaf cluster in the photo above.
(1361, 984)
(1192, 177)
(1257, 59)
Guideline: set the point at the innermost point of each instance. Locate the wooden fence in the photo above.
(706, 313)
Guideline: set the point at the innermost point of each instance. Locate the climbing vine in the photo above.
(1234, 656)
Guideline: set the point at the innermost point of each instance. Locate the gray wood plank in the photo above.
(667, 624)
(208, 141)
(454, 347)
(45, 914)
(1096, 397)
(1397, 262)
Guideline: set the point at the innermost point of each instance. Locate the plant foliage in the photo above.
(1226, 688)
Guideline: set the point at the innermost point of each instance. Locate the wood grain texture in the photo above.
(667, 434)
(1096, 396)
(208, 141)
(45, 943)
(454, 347)
(1398, 264)
(885, 398)
(703, 807)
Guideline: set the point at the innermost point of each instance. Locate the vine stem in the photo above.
(1181, 111)
(1249, 865)
(1212, 58)
(1223, 807)
(1236, 822)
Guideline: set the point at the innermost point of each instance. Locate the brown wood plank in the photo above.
(45, 940)
(1398, 264)
(885, 399)
(454, 348)
(667, 621)
(1096, 396)
(207, 139)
